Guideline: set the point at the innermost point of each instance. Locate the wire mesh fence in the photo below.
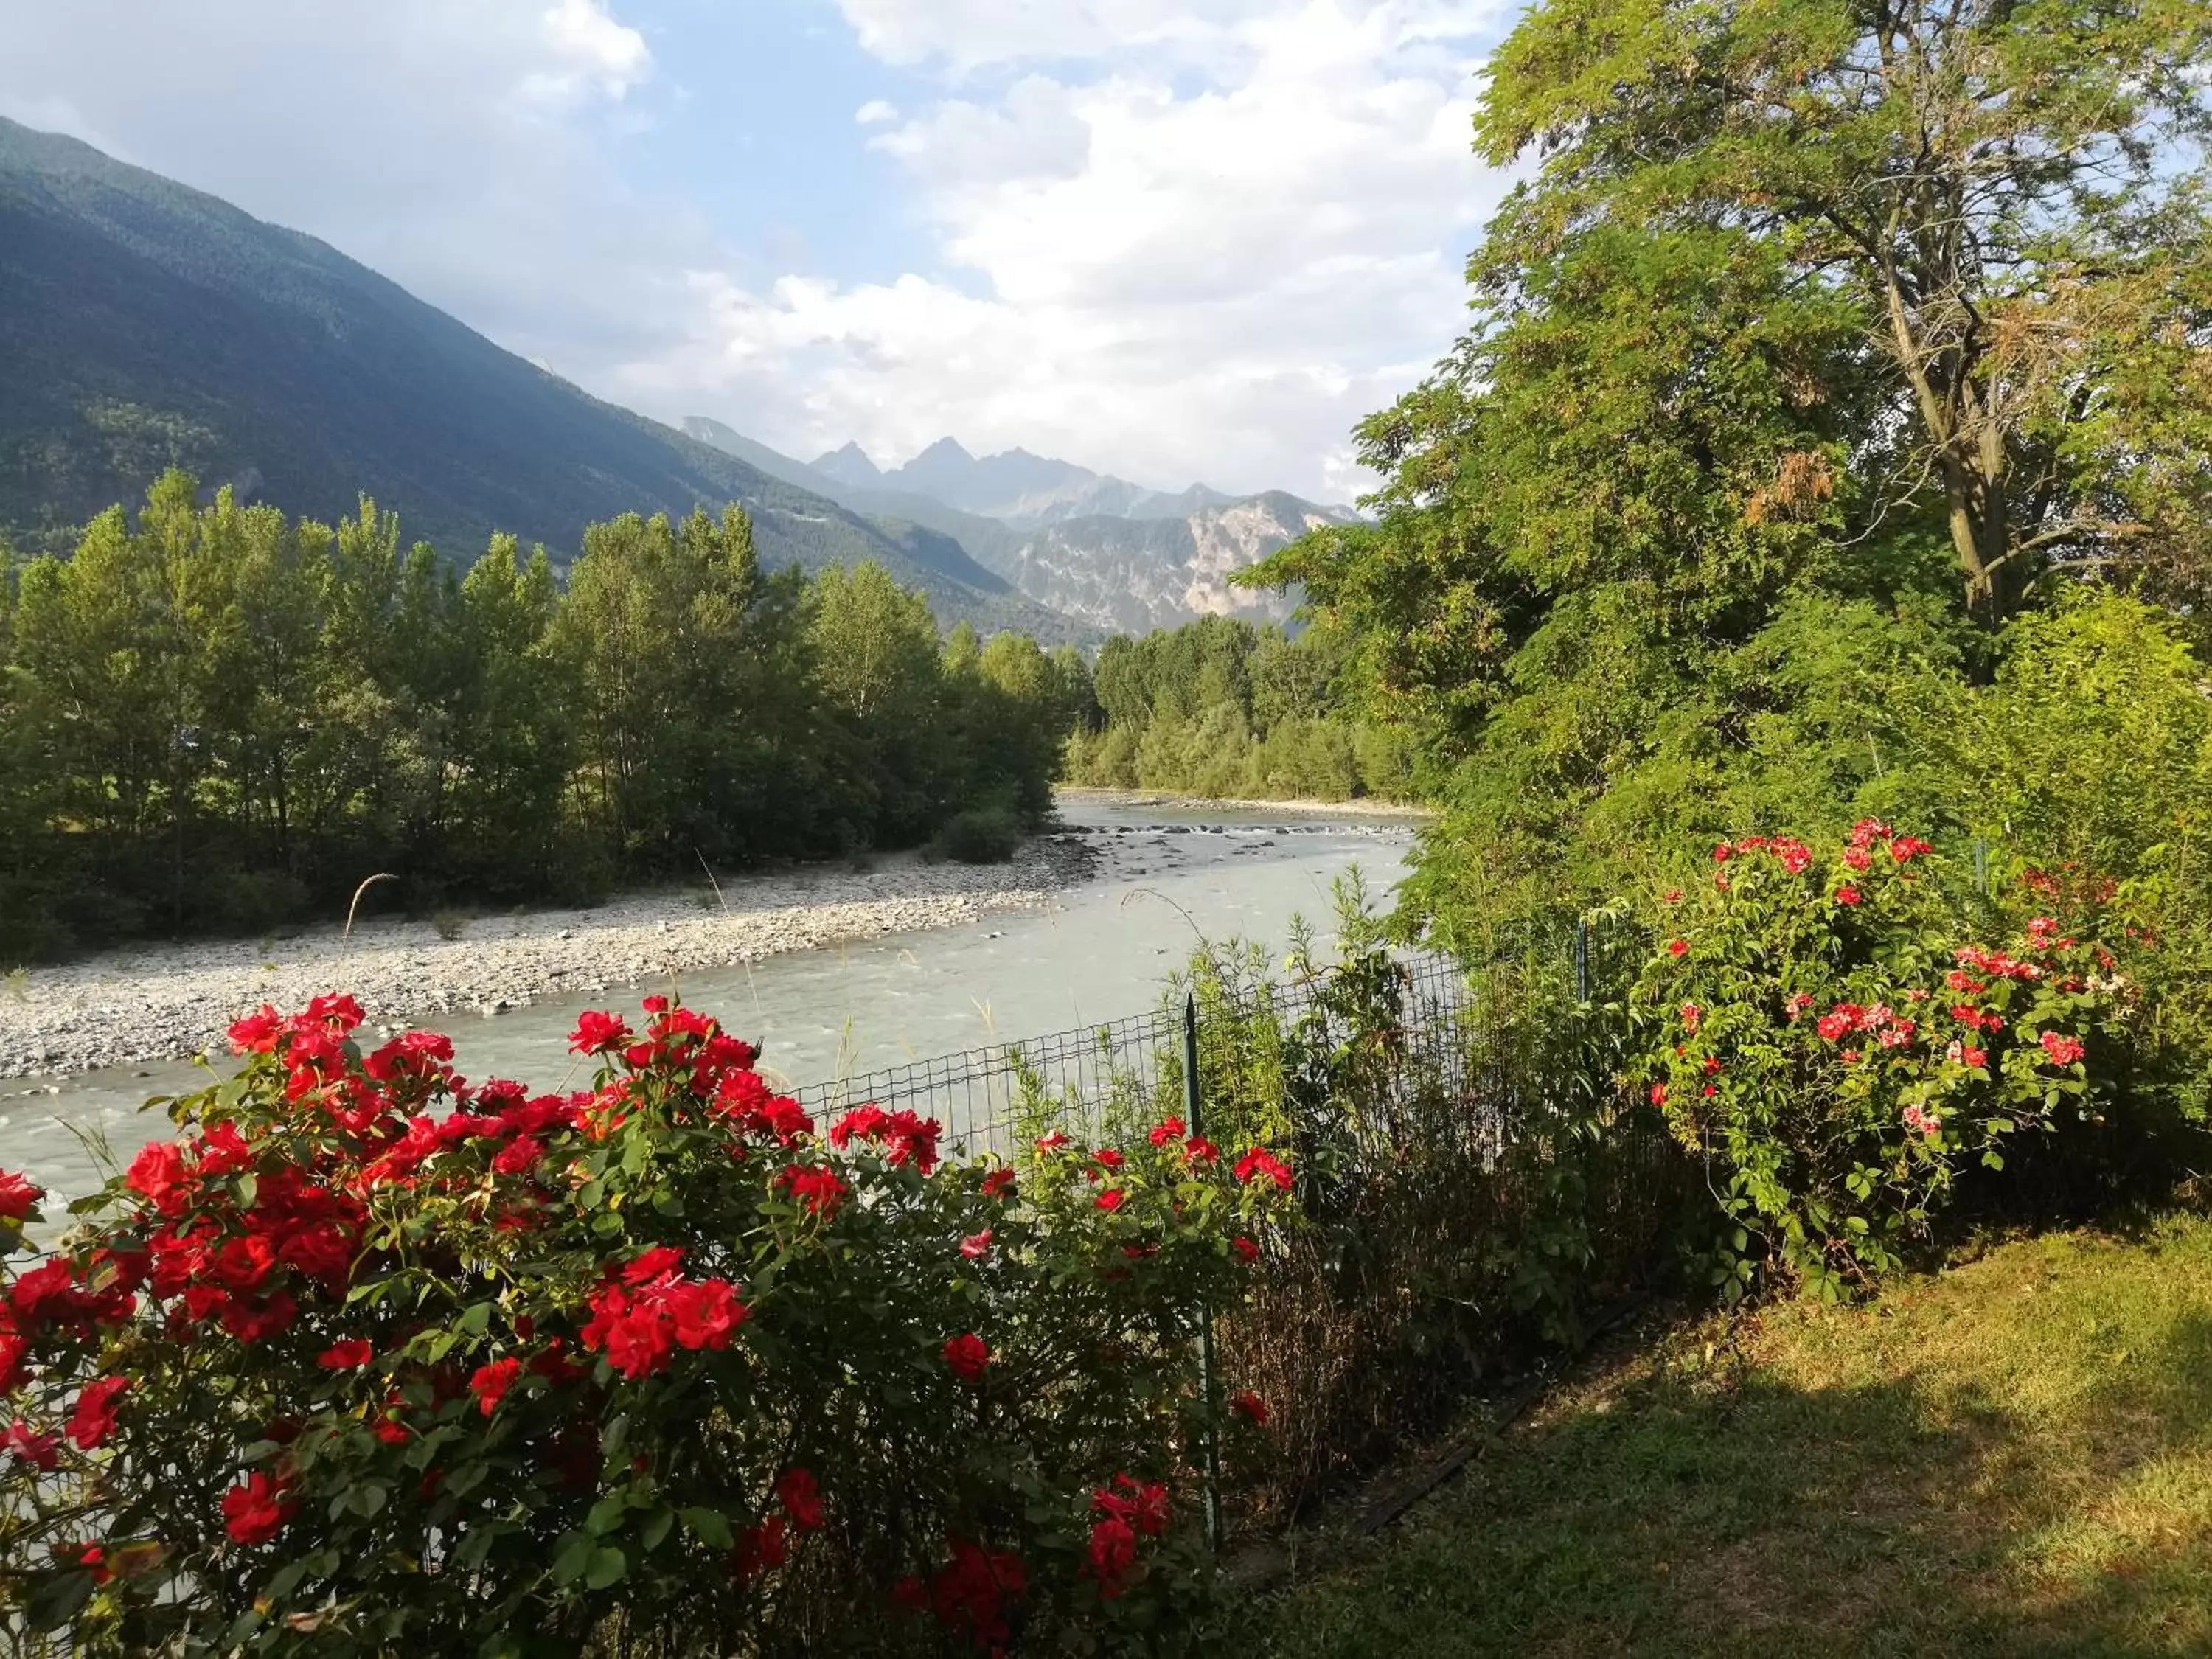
(1092, 1081)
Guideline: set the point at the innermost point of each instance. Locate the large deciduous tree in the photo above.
(2011, 192)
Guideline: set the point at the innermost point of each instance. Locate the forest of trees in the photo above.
(217, 717)
(1221, 707)
(1833, 438)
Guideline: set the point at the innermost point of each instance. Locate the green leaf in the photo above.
(574, 1556)
(708, 1527)
(607, 1514)
(656, 1528)
(57, 1601)
(608, 1565)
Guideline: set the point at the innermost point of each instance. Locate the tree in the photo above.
(2010, 196)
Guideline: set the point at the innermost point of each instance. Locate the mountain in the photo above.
(1016, 487)
(1109, 553)
(1130, 575)
(143, 325)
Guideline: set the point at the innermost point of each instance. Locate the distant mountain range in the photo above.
(143, 325)
(1018, 487)
(1109, 553)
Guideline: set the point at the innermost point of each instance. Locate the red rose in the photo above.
(597, 1033)
(26, 1445)
(2062, 1050)
(1249, 1405)
(1258, 1162)
(1166, 1130)
(1847, 895)
(256, 1512)
(968, 1357)
(707, 1313)
(801, 1499)
(759, 1548)
(999, 1183)
(1247, 1251)
(1676, 947)
(350, 1355)
(490, 1382)
(1111, 1199)
(18, 1196)
(818, 1188)
(258, 1032)
(93, 1419)
(976, 1246)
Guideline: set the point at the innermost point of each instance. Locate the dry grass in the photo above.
(2013, 1457)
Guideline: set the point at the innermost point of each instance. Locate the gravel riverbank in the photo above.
(169, 1002)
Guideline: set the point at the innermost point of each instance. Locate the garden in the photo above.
(370, 1356)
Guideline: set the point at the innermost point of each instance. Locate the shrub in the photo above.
(1836, 1042)
(369, 1359)
(983, 834)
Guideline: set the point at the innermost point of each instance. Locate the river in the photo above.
(1098, 951)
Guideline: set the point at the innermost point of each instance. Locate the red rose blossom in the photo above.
(1259, 1162)
(256, 1512)
(490, 1382)
(18, 1195)
(350, 1355)
(93, 1419)
(968, 1356)
(801, 1499)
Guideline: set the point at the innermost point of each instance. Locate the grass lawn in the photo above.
(2012, 1457)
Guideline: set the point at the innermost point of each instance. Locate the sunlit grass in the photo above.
(2011, 1457)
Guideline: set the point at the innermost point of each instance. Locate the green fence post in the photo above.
(1193, 1113)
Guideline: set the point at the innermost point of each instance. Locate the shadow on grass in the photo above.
(1875, 1494)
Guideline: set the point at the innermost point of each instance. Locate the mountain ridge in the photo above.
(145, 325)
(1112, 571)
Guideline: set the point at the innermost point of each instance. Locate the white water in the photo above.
(1100, 951)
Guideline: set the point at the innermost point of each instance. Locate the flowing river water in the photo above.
(1100, 949)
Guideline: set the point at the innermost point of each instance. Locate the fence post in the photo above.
(1194, 1117)
(1582, 958)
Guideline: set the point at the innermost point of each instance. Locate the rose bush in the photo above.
(1829, 1038)
(370, 1358)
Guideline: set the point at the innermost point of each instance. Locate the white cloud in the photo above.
(594, 54)
(1163, 276)
(1173, 239)
(456, 148)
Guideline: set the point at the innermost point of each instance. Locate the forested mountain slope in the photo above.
(144, 325)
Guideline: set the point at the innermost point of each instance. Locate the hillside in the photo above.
(1135, 559)
(144, 325)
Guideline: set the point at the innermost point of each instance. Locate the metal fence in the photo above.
(1092, 1078)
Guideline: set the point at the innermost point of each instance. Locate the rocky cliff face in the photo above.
(1106, 553)
(1133, 574)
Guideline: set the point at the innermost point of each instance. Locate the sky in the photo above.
(1172, 240)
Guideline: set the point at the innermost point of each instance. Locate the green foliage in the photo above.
(219, 717)
(1220, 708)
(981, 834)
(1472, 1184)
(1815, 343)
